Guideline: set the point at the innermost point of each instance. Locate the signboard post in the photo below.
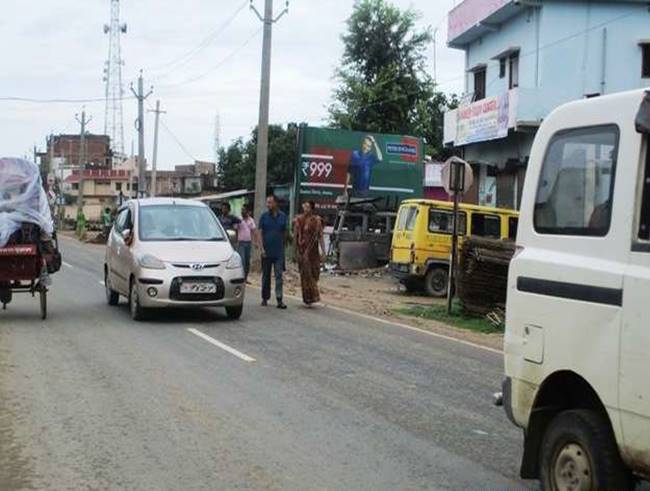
(457, 178)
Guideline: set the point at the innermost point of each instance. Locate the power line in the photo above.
(177, 140)
(209, 39)
(217, 66)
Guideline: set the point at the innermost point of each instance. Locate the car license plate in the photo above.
(198, 288)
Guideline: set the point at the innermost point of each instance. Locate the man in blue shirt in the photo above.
(273, 230)
(361, 165)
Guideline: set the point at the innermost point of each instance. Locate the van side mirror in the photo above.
(642, 121)
(232, 236)
(127, 235)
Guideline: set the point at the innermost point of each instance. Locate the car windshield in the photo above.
(179, 223)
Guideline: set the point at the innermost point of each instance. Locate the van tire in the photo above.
(583, 440)
(436, 282)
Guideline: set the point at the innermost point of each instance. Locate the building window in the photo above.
(75, 186)
(645, 48)
(514, 70)
(479, 84)
(502, 68)
(576, 185)
(118, 186)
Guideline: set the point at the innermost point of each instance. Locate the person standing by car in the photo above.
(309, 237)
(107, 221)
(245, 233)
(228, 220)
(272, 233)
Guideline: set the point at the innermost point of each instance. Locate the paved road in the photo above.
(91, 400)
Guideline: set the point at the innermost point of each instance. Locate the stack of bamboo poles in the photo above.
(483, 277)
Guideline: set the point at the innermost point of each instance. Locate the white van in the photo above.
(577, 344)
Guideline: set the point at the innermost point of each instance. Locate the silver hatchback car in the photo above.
(167, 252)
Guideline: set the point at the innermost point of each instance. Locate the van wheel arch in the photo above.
(562, 391)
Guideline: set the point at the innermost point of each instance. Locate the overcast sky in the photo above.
(56, 49)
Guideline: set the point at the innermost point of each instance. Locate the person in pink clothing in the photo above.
(245, 233)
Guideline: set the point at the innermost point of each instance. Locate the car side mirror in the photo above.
(127, 236)
(232, 236)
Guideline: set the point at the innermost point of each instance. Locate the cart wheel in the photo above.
(43, 297)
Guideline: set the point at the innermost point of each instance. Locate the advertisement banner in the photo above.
(487, 119)
(336, 163)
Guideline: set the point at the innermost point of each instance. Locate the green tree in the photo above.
(238, 161)
(382, 82)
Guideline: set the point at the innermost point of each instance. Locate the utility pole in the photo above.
(82, 158)
(139, 125)
(265, 93)
(155, 147)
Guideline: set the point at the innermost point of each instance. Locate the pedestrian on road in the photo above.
(308, 231)
(245, 233)
(107, 219)
(272, 234)
(228, 220)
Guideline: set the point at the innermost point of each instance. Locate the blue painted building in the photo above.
(523, 58)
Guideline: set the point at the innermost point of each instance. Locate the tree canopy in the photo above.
(237, 162)
(383, 85)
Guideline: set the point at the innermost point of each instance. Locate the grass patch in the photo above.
(456, 319)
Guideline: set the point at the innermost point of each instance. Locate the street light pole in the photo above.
(265, 94)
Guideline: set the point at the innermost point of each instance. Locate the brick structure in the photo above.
(68, 149)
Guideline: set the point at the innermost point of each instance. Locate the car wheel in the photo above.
(112, 297)
(137, 312)
(436, 282)
(579, 453)
(234, 313)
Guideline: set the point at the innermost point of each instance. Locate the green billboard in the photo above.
(333, 163)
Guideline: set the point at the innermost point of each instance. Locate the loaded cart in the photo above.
(28, 246)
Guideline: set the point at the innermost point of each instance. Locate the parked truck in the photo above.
(577, 339)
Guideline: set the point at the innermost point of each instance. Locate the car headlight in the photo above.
(234, 262)
(148, 261)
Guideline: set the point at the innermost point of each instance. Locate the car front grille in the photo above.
(175, 289)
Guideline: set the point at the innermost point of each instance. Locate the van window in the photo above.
(441, 222)
(484, 225)
(644, 221)
(576, 185)
(123, 220)
(401, 219)
(411, 217)
(513, 225)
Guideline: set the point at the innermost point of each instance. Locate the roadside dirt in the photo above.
(377, 294)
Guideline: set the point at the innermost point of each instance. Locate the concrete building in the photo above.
(102, 189)
(523, 58)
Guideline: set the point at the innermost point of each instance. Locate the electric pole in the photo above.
(155, 147)
(265, 94)
(82, 158)
(139, 125)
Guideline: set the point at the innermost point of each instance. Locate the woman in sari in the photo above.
(309, 237)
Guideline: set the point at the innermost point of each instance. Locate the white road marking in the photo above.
(221, 345)
(480, 432)
(67, 265)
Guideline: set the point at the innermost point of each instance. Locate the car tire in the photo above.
(112, 297)
(579, 451)
(234, 313)
(436, 282)
(136, 310)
